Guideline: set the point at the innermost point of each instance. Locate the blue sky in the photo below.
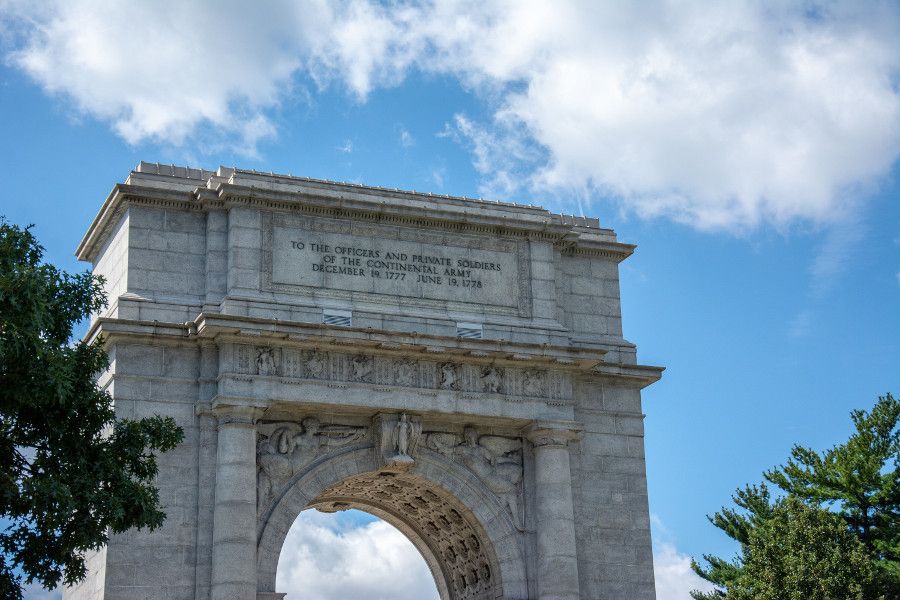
(751, 154)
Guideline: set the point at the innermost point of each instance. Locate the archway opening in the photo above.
(461, 529)
(351, 554)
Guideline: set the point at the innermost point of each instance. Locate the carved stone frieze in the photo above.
(532, 383)
(285, 449)
(265, 361)
(449, 379)
(361, 367)
(497, 460)
(406, 372)
(491, 379)
(339, 368)
(316, 365)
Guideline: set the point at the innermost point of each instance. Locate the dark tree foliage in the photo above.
(857, 482)
(860, 479)
(803, 552)
(69, 471)
(754, 508)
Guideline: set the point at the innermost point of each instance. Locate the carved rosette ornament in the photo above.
(496, 460)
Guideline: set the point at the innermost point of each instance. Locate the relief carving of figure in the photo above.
(449, 376)
(315, 365)
(496, 460)
(265, 361)
(361, 368)
(405, 437)
(290, 447)
(532, 383)
(491, 379)
(405, 372)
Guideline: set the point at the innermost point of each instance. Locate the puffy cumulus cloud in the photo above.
(325, 557)
(674, 577)
(722, 115)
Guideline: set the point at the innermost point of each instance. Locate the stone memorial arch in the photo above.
(451, 365)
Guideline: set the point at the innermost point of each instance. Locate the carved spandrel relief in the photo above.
(495, 459)
(285, 449)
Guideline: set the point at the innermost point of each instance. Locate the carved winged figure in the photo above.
(291, 447)
(495, 459)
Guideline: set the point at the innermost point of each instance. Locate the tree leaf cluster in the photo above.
(832, 532)
(70, 472)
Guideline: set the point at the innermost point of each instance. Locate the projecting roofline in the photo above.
(199, 189)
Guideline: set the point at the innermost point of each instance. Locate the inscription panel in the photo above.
(304, 254)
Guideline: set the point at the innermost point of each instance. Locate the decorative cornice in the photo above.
(239, 329)
(569, 234)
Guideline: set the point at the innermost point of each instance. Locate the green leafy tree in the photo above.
(858, 480)
(803, 552)
(754, 508)
(70, 472)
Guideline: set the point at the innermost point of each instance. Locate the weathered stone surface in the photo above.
(514, 463)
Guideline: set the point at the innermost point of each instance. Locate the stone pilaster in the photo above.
(557, 555)
(234, 513)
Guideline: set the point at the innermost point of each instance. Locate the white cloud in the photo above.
(724, 115)
(346, 147)
(406, 138)
(328, 558)
(674, 577)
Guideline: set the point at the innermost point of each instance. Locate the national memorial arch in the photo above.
(453, 366)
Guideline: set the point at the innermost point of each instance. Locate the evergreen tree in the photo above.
(803, 552)
(69, 471)
(859, 480)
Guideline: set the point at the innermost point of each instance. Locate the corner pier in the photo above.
(453, 366)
